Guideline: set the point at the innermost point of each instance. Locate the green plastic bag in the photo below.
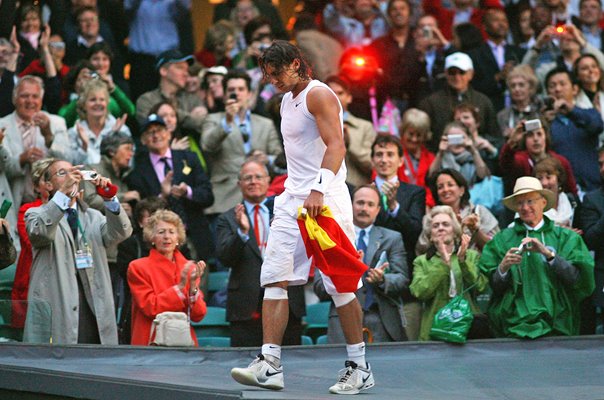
(452, 322)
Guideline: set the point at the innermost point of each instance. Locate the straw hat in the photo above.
(529, 184)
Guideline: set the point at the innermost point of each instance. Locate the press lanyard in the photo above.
(409, 167)
(82, 233)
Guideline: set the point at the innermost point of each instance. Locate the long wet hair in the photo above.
(280, 55)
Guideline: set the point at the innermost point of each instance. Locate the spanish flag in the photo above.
(331, 250)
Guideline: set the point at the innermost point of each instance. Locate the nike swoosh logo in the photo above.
(363, 379)
(269, 374)
(320, 178)
(297, 104)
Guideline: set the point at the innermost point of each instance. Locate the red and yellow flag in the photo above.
(331, 250)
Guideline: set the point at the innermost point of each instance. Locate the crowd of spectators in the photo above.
(450, 111)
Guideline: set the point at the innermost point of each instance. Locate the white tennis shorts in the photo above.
(285, 257)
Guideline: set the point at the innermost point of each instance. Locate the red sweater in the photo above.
(152, 282)
(405, 172)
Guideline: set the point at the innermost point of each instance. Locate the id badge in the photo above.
(84, 259)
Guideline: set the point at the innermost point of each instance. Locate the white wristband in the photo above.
(323, 180)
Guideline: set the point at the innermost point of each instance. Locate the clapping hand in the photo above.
(242, 219)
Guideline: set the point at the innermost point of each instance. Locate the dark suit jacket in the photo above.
(388, 295)
(485, 68)
(144, 180)
(244, 259)
(591, 220)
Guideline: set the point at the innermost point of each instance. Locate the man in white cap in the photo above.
(539, 272)
(459, 71)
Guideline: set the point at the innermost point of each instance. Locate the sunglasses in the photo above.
(454, 72)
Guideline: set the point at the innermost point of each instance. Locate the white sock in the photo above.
(356, 354)
(273, 351)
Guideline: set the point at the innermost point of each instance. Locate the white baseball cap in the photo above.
(459, 60)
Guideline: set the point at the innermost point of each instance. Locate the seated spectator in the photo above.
(164, 280)
(457, 150)
(94, 124)
(31, 134)
(79, 75)
(415, 132)
(572, 45)
(227, 138)
(591, 221)
(445, 267)
(116, 152)
(173, 67)
(29, 29)
(552, 176)
(574, 130)
(588, 20)
(462, 11)
(241, 235)
(102, 58)
(50, 68)
(258, 36)
(356, 23)
(459, 71)
(539, 272)
(211, 83)
(522, 30)
(487, 146)
(131, 249)
(384, 281)
(177, 177)
(218, 44)
(589, 77)
(358, 135)
(451, 189)
(69, 273)
(522, 84)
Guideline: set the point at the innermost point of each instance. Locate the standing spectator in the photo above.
(459, 71)
(522, 84)
(488, 147)
(521, 29)
(230, 8)
(173, 69)
(69, 237)
(154, 29)
(384, 281)
(398, 58)
(103, 59)
(219, 42)
(228, 137)
(415, 132)
(402, 206)
(591, 221)
(589, 78)
(31, 134)
(462, 11)
(241, 235)
(165, 280)
(358, 136)
(445, 268)
(95, 124)
(539, 272)
(29, 27)
(494, 59)
(211, 83)
(574, 130)
(176, 176)
(451, 189)
(9, 57)
(357, 26)
(432, 47)
(590, 14)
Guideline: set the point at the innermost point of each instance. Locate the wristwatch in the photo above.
(552, 256)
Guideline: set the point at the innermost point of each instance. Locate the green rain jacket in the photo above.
(431, 283)
(536, 301)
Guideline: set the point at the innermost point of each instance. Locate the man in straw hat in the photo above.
(539, 272)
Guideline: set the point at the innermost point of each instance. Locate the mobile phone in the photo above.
(455, 139)
(548, 102)
(89, 175)
(6, 204)
(531, 125)
(524, 246)
(233, 96)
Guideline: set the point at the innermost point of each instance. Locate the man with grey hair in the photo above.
(31, 134)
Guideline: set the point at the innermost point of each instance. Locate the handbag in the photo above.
(452, 322)
(489, 193)
(171, 329)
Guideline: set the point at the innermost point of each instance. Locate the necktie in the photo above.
(259, 228)
(167, 167)
(384, 203)
(245, 134)
(72, 220)
(368, 288)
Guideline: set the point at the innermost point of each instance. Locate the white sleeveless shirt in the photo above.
(304, 147)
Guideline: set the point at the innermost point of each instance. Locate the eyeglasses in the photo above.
(454, 72)
(60, 173)
(249, 178)
(528, 202)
